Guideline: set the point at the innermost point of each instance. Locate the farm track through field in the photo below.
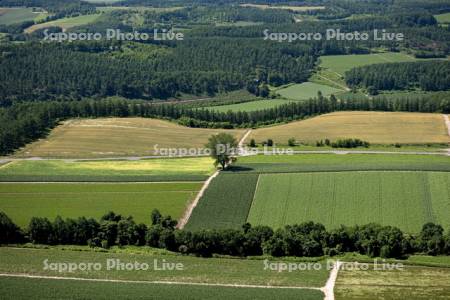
(334, 82)
(185, 218)
(159, 282)
(328, 289)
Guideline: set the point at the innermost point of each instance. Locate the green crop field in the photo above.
(413, 282)
(22, 201)
(443, 18)
(250, 106)
(174, 169)
(118, 137)
(347, 162)
(374, 127)
(225, 203)
(199, 270)
(306, 90)
(339, 179)
(403, 199)
(10, 16)
(12, 288)
(65, 23)
(342, 63)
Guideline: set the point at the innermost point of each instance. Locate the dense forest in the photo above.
(308, 239)
(428, 76)
(197, 66)
(58, 7)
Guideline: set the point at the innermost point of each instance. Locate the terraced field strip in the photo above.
(390, 198)
(412, 282)
(22, 201)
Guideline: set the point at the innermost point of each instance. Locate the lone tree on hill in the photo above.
(222, 147)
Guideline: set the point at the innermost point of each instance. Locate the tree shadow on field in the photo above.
(235, 169)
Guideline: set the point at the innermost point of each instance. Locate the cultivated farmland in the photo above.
(328, 188)
(374, 127)
(72, 200)
(306, 90)
(413, 282)
(176, 169)
(348, 162)
(200, 270)
(225, 203)
(406, 200)
(118, 137)
(72, 289)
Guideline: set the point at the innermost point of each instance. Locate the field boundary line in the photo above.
(20, 275)
(328, 289)
(254, 196)
(188, 212)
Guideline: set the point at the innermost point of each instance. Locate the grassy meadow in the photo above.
(22, 201)
(406, 200)
(14, 15)
(65, 23)
(443, 18)
(306, 90)
(250, 106)
(118, 137)
(343, 63)
(413, 282)
(374, 127)
(175, 169)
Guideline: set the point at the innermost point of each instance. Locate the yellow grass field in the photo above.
(374, 127)
(110, 137)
